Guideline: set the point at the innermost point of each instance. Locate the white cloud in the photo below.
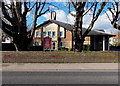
(102, 23)
(86, 19)
(61, 16)
(71, 19)
(47, 15)
(7, 1)
(30, 14)
(52, 7)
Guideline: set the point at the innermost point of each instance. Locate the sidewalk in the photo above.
(58, 66)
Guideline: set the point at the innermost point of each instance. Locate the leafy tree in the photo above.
(14, 21)
(82, 8)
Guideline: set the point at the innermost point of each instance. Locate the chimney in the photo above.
(53, 15)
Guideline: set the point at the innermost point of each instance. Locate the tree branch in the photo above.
(88, 10)
(6, 14)
(19, 11)
(94, 19)
(74, 4)
(34, 21)
(108, 16)
(42, 13)
(6, 30)
(31, 7)
(95, 9)
(111, 12)
(115, 25)
(42, 6)
(25, 9)
(13, 10)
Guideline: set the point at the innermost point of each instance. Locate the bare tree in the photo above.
(82, 8)
(14, 21)
(114, 8)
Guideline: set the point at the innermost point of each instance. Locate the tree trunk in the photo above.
(77, 31)
(79, 45)
(21, 40)
(20, 43)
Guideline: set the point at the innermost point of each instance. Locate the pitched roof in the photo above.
(70, 27)
(62, 24)
(97, 32)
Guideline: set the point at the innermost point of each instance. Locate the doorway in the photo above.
(53, 45)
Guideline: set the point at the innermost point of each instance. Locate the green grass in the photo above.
(60, 57)
(64, 51)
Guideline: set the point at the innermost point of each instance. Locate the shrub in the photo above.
(86, 47)
(117, 46)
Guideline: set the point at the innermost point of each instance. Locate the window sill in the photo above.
(61, 37)
(38, 37)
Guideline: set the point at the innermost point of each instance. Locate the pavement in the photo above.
(34, 67)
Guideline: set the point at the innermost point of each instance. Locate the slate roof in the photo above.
(70, 27)
(62, 24)
(96, 32)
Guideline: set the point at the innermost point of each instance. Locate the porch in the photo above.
(99, 42)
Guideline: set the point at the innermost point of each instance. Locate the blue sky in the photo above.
(64, 16)
(59, 6)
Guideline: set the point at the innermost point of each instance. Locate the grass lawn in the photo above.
(60, 57)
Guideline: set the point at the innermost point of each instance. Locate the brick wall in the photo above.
(68, 40)
(37, 39)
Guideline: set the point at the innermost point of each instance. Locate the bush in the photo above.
(86, 47)
(115, 46)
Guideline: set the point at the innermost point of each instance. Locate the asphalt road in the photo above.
(60, 77)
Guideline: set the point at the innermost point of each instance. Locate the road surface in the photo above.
(79, 77)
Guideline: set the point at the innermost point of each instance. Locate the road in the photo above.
(79, 77)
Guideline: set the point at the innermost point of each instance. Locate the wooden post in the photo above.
(103, 43)
(94, 42)
(108, 44)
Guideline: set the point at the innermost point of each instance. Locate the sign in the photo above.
(47, 43)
